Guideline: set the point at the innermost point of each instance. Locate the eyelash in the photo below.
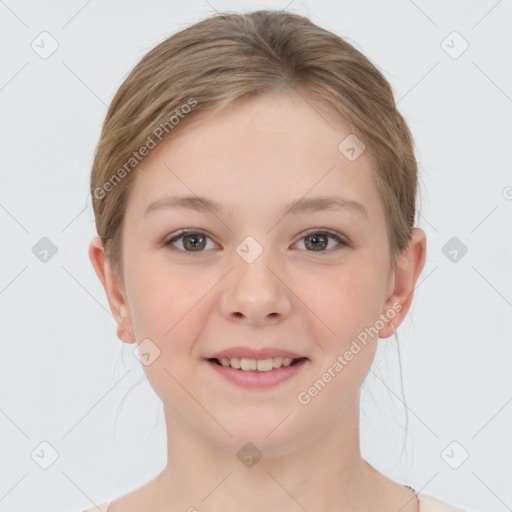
(342, 241)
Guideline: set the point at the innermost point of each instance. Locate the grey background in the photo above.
(64, 373)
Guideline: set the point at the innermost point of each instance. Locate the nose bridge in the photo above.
(250, 250)
(254, 289)
(253, 263)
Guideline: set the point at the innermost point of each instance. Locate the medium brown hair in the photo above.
(229, 56)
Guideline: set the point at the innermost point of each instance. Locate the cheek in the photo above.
(168, 308)
(348, 303)
(346, 300)
(167, 305)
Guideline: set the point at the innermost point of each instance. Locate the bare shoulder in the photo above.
(138, 499)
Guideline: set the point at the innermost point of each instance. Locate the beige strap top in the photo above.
(427, 504)
(99, 508)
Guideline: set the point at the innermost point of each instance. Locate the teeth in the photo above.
(248, 364)
(265, 365)
(277, 362)
(261, 365)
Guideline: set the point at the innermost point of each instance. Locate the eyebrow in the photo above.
(301, 205)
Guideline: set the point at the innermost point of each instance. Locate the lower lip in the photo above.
(255, 379)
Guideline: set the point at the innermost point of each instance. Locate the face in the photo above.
(252, 273)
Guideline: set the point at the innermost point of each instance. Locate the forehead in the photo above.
(260, 151)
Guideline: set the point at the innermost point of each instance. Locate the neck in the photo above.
(318, 474)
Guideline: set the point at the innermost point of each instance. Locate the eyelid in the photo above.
(339, 237)
(173, 237)
(342, 239)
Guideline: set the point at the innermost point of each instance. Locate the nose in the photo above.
(255, 292)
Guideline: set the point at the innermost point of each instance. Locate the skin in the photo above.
(254, 157)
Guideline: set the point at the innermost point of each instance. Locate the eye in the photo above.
(318, 240)
(315, 240)
(189, 240)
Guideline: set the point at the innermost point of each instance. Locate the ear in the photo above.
(114, 289)
(403, 281)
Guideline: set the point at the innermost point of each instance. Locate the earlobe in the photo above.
(410, 266)
(124, 335)
(113, 290)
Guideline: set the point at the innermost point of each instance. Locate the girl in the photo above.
(254, 193)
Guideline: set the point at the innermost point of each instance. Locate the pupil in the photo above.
(318, 241)
(194, 241)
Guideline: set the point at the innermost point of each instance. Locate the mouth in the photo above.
(257, 374)
(257, 365)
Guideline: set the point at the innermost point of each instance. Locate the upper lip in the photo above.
(251, 353)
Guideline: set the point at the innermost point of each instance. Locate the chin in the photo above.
(266, 431)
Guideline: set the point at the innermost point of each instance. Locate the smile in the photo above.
(260, 365)
(257, 373)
